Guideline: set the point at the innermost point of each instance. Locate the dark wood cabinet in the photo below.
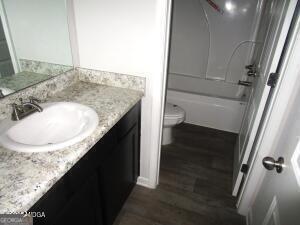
(83, 207)
(96, 187)
(118, 175)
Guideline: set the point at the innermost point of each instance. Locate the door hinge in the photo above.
(244, 168)
(272, 80)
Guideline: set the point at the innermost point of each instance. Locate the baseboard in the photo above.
(249, 218)
(143, 181)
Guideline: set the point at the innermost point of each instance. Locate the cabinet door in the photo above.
(118, 175)
(83, 207)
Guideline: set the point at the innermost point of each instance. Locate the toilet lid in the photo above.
(174, 111)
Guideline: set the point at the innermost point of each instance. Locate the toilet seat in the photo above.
(173, 111)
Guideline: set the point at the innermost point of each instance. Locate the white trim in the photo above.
(272, 212)
(249, 217)
(295, 162)
(72, 33)
(9, 40)
(143, 181)
(163, 22)
(288, 78)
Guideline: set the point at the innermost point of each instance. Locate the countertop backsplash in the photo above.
(53, 85)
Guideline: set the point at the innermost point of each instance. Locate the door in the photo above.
(272, 32)
(118, 174)
(278, 199)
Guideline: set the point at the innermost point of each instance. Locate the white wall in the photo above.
(128, 37)
(115, 35)
(39, 30)
(203, 40)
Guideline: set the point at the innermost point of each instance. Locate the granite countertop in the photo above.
(26, 177)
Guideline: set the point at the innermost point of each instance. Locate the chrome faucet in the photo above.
(25, 108)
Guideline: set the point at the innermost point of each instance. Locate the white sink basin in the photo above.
(59, 125)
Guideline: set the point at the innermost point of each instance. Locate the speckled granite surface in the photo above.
(112, 79)
(50, 69)
(22, 80)
(25, 177)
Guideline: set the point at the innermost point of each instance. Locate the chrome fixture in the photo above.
(250, 67)
(251, 70)
(252, 73)
(25, 108)
(244, 83)
(270, 163)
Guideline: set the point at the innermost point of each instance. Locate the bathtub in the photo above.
(209, 111)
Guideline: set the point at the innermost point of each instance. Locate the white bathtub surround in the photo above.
(214, 112)
(112, 79)
(208, 45)
(204, 86)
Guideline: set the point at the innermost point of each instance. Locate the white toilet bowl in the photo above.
(173, 115)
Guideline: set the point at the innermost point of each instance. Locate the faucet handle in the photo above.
(34, 100)
(15, 111)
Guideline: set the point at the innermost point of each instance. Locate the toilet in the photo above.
(173, 115)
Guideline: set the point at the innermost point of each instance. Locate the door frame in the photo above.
(278, 100)
(9, 40)
(284, 23)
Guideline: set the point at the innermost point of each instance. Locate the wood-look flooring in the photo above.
(195, 183)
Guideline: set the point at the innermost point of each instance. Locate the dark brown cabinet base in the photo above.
(96, 187)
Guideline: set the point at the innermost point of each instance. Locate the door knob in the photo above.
(270, 163)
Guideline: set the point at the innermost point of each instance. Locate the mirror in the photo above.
(34, 42)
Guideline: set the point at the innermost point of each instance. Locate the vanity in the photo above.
(95, 188)
(86, 182)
